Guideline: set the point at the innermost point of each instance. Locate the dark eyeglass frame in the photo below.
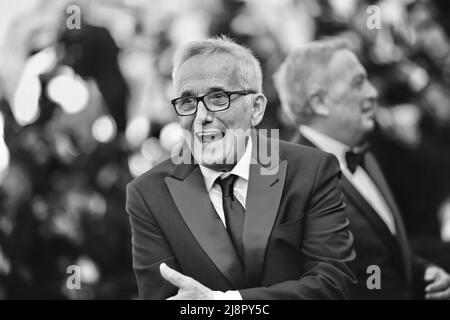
(201, 98)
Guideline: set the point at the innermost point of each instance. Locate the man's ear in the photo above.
(316, 102)
(259, 107)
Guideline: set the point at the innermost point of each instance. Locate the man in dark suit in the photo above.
(325, 89)
(228, 222)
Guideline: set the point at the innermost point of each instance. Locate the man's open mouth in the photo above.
(209, 136)
(369, 108)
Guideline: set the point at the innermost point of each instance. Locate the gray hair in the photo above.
(248, 66)
(303, 73)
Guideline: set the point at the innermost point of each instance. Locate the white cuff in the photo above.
(228, 295)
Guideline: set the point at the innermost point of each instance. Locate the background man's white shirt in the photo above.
(359, 179)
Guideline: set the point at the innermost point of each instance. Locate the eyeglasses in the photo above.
(214, 101)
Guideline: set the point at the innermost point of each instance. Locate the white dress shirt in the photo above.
(242, 171)
(359, 179)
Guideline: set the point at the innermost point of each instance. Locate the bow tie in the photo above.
(355, 157)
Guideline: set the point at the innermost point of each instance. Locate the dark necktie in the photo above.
(355, 157)
(234, 213)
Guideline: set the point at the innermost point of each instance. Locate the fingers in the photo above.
(443, 295)
(441, 280)
(178, 296)
(439, 284)
(174, 277)
(189, 289)
(431, 273)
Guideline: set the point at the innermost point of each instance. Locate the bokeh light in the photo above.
(171, 135)
(138, 164)
(151, 150)
(137, 131)
(4, 152)
(104, 129)
(25, 104)
(69, 91)
(97, 205)
(90, 273)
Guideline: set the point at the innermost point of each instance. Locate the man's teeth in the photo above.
(210, 137)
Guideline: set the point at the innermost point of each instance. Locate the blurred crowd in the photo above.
(84, 110)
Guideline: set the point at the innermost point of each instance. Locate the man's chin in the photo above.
(216, 162)
(368, 124)
(219, 167)
(206, 159)
(366, 129)
(369, 127)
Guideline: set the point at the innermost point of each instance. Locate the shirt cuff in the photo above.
(228, 295)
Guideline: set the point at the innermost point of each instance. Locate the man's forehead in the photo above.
(345, 62)
(212, 70)
(346, 57)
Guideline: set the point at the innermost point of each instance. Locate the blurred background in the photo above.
(83, 111)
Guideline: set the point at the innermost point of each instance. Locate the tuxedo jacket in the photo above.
(296, 240)
(401, 272)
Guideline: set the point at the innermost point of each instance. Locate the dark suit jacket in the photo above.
(401, 272)
(296, 238)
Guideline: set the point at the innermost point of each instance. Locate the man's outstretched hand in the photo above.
(439, 287)
(189, 289)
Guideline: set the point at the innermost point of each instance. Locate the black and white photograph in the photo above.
(224, 150)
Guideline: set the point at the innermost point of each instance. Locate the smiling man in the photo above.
(217, 142)
(325, 89)
(226, 224)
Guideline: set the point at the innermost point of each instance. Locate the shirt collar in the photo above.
(325, 143)
(241, 169)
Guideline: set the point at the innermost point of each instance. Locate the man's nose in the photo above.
(203, 115)
(372, 92)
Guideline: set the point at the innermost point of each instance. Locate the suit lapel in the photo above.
(263, 199)
(368, 211)
(357, 198)
(264, 193)
(299, 139)
(193, 203)
(375, 173)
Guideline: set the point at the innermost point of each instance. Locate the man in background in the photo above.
(324, 88)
